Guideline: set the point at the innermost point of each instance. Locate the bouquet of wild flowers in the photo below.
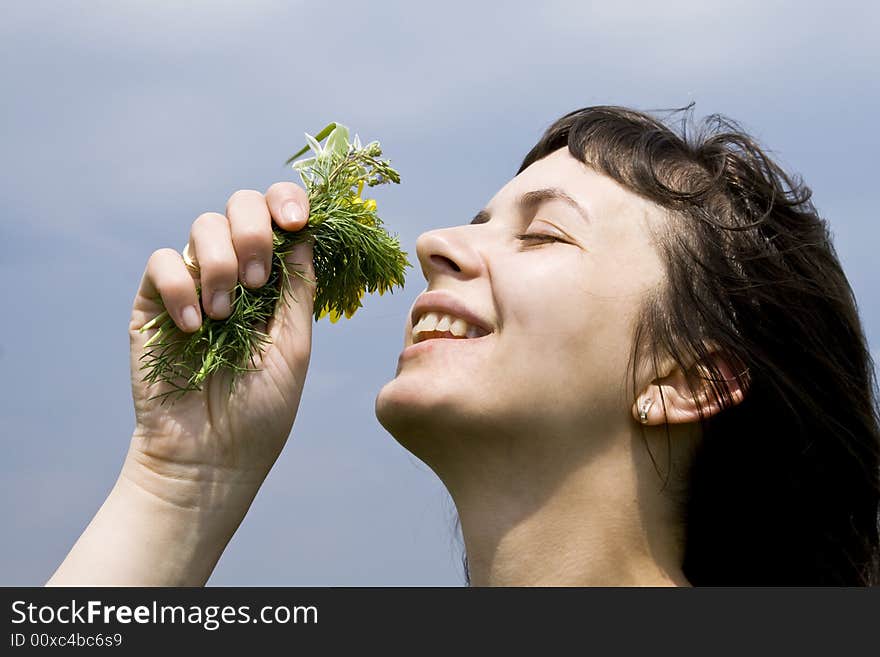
(353, 255)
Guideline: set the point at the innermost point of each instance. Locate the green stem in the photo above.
(158, 318)
(152, 338)
(209, 360)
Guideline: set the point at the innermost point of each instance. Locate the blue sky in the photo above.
(123, 121)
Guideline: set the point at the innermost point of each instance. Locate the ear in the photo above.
(672, 394)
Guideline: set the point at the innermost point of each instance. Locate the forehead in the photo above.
(596, 192)
(559, 169)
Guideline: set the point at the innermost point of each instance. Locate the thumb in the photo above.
(291, 329)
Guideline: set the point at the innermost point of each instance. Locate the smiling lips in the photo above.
(442, 325)
(440, 314)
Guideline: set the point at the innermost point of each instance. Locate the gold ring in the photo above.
(189, 261)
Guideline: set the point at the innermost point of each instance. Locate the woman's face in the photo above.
(561, 313)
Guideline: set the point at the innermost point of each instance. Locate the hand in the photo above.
(211, 435)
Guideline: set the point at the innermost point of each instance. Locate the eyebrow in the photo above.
(533, 198)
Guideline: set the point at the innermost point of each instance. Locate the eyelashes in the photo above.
(538, 237)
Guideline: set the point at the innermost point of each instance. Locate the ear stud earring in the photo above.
(644, 408)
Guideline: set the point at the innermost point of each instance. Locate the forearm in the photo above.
(156, 531)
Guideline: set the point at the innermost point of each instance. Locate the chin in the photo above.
(421, 419)
(404, 408)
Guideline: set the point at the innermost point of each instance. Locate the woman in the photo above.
(640, 364)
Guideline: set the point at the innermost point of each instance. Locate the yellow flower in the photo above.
(334, 315)
(356, 199)
(370, 205)
(361, 294)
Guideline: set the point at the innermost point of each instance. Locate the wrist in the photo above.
(181, 535)
(207, 490)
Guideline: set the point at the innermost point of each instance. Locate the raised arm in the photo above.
(194, 467)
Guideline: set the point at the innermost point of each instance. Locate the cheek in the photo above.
(571, 340)
(574, 307)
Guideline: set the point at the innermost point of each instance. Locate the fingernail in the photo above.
(255, 273)
(220, 303)
(190, 318)
(293, 212)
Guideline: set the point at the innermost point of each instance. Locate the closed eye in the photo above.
(538, 237)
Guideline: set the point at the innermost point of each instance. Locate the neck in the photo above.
(580, 520)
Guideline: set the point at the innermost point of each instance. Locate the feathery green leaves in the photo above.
(353, 255)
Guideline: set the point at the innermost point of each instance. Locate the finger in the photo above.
(168, 278)
(291, 326)
(251, 226)
(211, 242)
(289, 205)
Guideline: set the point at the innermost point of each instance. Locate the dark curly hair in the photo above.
(784, 488)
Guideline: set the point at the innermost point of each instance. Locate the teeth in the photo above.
(459, 328)
(445, 324)
(427, 323)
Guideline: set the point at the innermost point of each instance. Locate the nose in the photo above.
(447, 251)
